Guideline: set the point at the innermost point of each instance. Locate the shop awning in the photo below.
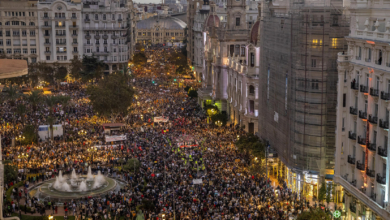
(329, 176)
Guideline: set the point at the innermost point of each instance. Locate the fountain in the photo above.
(66, 187)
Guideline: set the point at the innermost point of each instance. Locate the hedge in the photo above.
(9, 191)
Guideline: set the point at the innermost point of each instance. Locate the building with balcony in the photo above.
(364, 84)
(230, 64)
(60, 27)
(161, 29)
(19, 30)
(108, 32)
(297, 89)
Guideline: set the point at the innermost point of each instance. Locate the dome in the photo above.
(255, 32)
(212, 21)
(168, 23)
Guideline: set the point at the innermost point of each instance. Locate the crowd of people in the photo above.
(189, 169)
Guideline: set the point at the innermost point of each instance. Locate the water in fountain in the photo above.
(83, 186)
(89, 174)
(65, 187)
(99, 180)
(74, 175)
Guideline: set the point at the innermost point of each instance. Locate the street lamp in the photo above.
(20, 139)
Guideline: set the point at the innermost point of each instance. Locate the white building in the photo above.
(362, 135)
(106, 31)
(19, 30)
(60, 28)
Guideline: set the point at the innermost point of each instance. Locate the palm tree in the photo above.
(21, 110)
(34, 98)
(51, 102)
(13, 94)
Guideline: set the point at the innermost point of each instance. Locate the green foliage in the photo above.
(93, 68)
(76, 66)
(131, 165)
(51, 102)
(210, 109)
(12, 94)
(315, 214)
(251, 144)
(193, 93)
(139, 59)
(21, 110)
(34, 98)
(61, 73)
(30, 134)
(219, 118)
(111, 96)
(8, 193)
(322, 192)
(329, 193)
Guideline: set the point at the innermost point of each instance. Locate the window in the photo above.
(47, 57)
(73, 15)
(251, 90)
(113, 17)
(96, 17)
(344, 99)
(8, 33)
(314, 84)
(313, 63)
(32, 33)
(33, 51)
(1, 43)
(238, 21)
(75, 49)
(9, 51)
(32, 24)
(252, 61)
(242, 51)
(251, 106)
(45, 15)
(16, 50)
(335, 42)
(8, 42)
(104, 17)
(24, 33)
(139, 33)
(47, 49)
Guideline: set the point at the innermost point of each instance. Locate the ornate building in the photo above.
(19, 30)
(231, 65)
(161, 30)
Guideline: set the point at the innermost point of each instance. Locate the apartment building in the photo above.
(106, 32)
(19, 30)
(60, 31)
(362, 166)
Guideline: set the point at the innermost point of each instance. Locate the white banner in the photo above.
(197, 181)
(116, 138)
(161, 119)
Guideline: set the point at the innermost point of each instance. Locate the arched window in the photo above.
(32, 24)
(7, 23)
(23, 23)
(251, 90)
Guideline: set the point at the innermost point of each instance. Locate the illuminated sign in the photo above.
(336, 214)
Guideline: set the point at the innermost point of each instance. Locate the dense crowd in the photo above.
(172, 155)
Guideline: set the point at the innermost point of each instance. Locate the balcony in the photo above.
(47, 52)
(58, 34)
(47, 44)
(46, 26)
(105, 36)
(371, 147)
(351, 135)
(363, 190)
(60, 43)
(382, 152)
(373, 196)
(351, 160)
(352, 208)
(57, 17)
(73, 17)
(360, 166)
(75, 52)
(73, 26)
(353, 183)
(385, 96)
(378, 62)
(374, 92)
(60, 51)
(370, 173)
(97, 37)
(362, 115)
(380, 179)
(60, 26)
(45, 17)
(87, 20)
(358, 58)
(119, 19)
(363, 88)
(367, 60)
(383, 124)
(361, 140)
(353, 110)
(46, 35)
(373, 119)
(75, 43)
(88, 37)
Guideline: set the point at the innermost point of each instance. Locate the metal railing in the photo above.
(382, 152)
(358, 58)
(373, 119)
(367, 60)
(385, 96)
(362, 115)
(383, 124)
(353, 110)
(371, 147)
(363, 88)
(361, 140)
(380, 179)
(374, 92)
(352, 135)
(354, 85)
(351, 160)
(359, 165)
(370, 173)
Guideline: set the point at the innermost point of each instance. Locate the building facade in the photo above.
(19, 30)
(230, 75)
(107, 32)
(60, 31)
(298, 76)
(161, 30)
(362, 166)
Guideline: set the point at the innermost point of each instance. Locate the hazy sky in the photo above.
(147, 1)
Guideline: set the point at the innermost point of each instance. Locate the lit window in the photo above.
(334, 42)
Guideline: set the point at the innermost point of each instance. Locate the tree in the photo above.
(12, 94)
(251, 144)
(34, 98)
(329, 193)
(76, 66)
(139, 59)
(193, 93)
(10, 172)
(211, 109)
(132, 165)
(61, 73)
(315, 214)
(112, 96)
(92, 68)
(51, 102)
(219, 119)
(30, 134)
(322, 192)
(21, 110)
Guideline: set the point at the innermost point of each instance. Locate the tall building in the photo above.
(362, 166)
(298, 76)
(106, 32)
(231, 60)
(19, 30)
(60, 31)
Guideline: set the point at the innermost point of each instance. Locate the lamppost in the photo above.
(92, 150)
(22, 157)
(20, 139)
